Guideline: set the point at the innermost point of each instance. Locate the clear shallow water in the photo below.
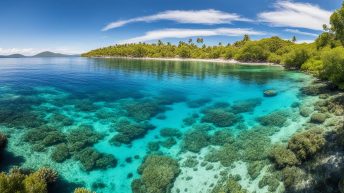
(70, 93)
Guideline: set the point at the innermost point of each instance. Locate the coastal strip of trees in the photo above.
(323, 58)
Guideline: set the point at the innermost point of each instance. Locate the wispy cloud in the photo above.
(185, 33)
(209, 17)
(296, 31)
(295, 14)
(304, 41)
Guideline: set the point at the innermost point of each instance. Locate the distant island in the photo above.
(45, 54)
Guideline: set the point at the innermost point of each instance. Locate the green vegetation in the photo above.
(323, 58)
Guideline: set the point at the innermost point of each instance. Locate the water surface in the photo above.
(64, 95)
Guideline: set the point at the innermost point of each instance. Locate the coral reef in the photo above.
(82, 190)
(62, 120)
(307, 144)
(196, 139)
(47, 174)
(169, 142)
(198, 102)
(129, 131)
(283, 157)
(220, 117)
(245, 105)
(318, 118)
(226, 155)
(271, 181)
(305, 111)
(170, 132)
(154, 146)
(18, 181)
(157, 175)
(60, 153)
(91, 159)
(292, 176)
(3, 141)
(143, 110)
(228, 185)
(277, 119)
(188, 121)
(220, 138)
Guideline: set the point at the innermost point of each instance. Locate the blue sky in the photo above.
(75, 26)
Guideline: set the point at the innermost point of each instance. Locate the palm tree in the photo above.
(199, 40)
(246, 38)
(294, 39)
(190, 41)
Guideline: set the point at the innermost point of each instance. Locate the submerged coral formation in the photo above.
(158, 174)
(129, 131)
(186, 141)
(220, 117)
(307, 144)
(277, 119)
(229, 185)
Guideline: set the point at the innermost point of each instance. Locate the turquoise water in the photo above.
(94, 97)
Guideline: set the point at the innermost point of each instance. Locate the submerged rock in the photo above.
(270, 93)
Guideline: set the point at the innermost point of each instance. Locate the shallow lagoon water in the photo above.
(69, 93)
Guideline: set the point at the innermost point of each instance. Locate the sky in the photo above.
(76, 26)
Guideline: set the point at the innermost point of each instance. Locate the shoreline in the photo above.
(231, 61)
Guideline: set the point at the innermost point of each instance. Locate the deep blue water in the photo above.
(61, 95)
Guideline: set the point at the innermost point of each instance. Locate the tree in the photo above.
(296, 58)
(190, 40)
(246, 38)
(326, 39)
(199, 40)
(333, 61)
(337, 24)
(160, 43)
(294, 39)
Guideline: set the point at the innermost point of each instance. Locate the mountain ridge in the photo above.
(45, 54)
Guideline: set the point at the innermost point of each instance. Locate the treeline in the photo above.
(324, 58)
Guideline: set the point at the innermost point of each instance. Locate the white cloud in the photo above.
(33, 51)
(304, 41)
(295, 31)
(294, 14)
(185, 33)
(209, 16)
